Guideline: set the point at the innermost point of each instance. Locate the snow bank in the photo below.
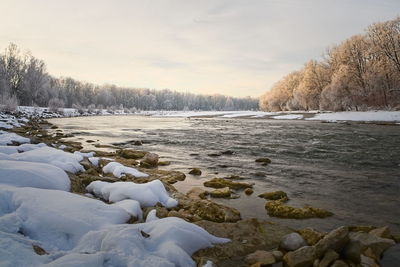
(58, 219)
(9, 121)
(358, 116)
(160, 243)
(64, 160)
(288, 117)
(21, 148)
(7, 138)
(32, 174)
(131, 206)
(117, 169)
(147, 194)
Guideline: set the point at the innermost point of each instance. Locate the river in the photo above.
(352, 169)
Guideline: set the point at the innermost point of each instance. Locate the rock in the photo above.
(329, 257)
(316, 263)
(137, 143)
(311, 235)
(335, 240)
(54, 127)
(214, 155)
(131, 154)
(221, 192)
(377, 244)
(339, 263)
(195, 171)
(227, 152)
(221, 183)
(248, 191)
(260, 174)
(352, 251)
(383, 232)
(38, 250)
(90, 141)
(164, 163)
(277, 208)
(150, 159)
(274, 195)
(368, 262)
(303, 257)
(169, 177)
(263, 160)
(234, 177)
(361, 228)
(292, 242)
(278, 255)
(197, 193)
(260, 256)
(391, 257)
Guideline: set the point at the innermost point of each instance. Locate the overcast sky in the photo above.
(230, 47)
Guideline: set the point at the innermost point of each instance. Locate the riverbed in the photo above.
(351, 169)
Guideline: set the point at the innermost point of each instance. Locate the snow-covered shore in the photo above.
(43, 224)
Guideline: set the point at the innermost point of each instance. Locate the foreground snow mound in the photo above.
(57, 219)
(21, 148)
(64, 160)
(117, 169)
(8, 138)
(32, 174)
(160, 243)
(147, 194)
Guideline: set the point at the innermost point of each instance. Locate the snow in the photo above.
(7, 138)
(94, 161)
(131, 206)
(32, 174)
(147, 194)
(9, 121)
(81, 155)
(64, 160)
(8, 149)
(29, 147)
(388, 116)
(117, 169)
(288, 117)
(152, 216)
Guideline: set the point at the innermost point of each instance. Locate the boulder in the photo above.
(195, 171)
(383, 232)
(274, 195)
(329, 257)
(377, 244)
(368, 262)
(277, 208)
(303, 257)
(150, 159)
(221, 192)
(339, 263)
(292, 242)
(352, 251)
(248, 191)
(335, 240)
(131, 154)
(221, 183)
(311, 235)
(197, 193)
(260, 256)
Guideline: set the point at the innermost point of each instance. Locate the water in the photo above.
(352, 170)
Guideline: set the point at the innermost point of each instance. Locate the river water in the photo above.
(352, 170)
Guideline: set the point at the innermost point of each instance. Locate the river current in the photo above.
(352, 169)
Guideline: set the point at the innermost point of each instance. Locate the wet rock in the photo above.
(263, 160)
(137, 143)
(377, 244)
(335, 240)
(383, 232)
(195, 171)
(54, 127)
(260, 256)
(131, 153)
(277, 208)
(339, 263)
(234, 177)
(248, 191)
(391, 257)
(352, 251)
(211, 211)
(329, 257)
(221, 183)
(310, 235)
(292, 242)
(221, 193)
(274, 195)
(302, 257)
(164, 163)
(166, 176)
(278, 255)
(227, 152)
(368, 262)
(90, 141)
(150, 159)
(214, 155)
(197, 193)
(361, 228)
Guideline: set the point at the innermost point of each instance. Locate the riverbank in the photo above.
(246, 236)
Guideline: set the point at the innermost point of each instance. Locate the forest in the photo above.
(24, 81)
(361, 73)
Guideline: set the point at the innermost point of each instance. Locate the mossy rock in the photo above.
(263, 160)
(131, 153)
(164, 163)
(195, 171)
(221, 183)
(248, 191)
(277, 208)
(221, 193)
(362, 228)
(211, 211)
(274, 195)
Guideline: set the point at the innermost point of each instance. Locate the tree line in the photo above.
(362, 72)
(24, 81)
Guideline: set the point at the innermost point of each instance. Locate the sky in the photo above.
(231, 47)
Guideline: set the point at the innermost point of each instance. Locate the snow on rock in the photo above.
(81, 155)
(94, 161)
(117, 169)
(21, 148)
(56, 218)
(32, 174)
(147, 194)
(9, 121)
(7, 138)
(288, 117)
(161, 243)
(131, 206)
(358, 116)
(152, 216)
(64, 160)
